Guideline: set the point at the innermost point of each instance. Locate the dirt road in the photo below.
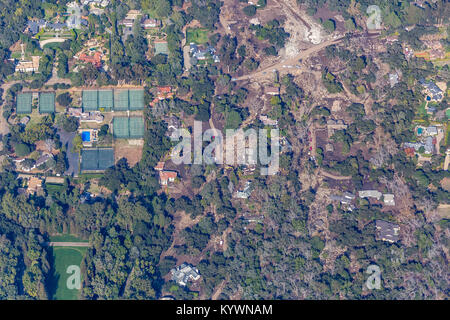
(334, 177)
(69, 244)
(291, 61)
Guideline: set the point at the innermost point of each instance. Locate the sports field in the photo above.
(24, 102)
(63, 258)
(47, 102)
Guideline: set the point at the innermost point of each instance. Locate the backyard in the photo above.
(197, 35)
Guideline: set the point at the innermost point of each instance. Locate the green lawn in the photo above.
(197, 35)
(63, 257)
(53, 188)
(422, 111)
(66, 238)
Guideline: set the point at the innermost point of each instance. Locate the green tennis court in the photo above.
(105, 100)
(105, 158)
(90, 100)
(121, 127)
(121, 101)
(47, 102)
(136, 99)
(97, 159)
(24, 102)
(161, 47)
(136, 125)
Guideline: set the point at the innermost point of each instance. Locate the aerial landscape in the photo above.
(224, 150)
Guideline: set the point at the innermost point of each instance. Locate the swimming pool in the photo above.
(86, 136)
(419, 131)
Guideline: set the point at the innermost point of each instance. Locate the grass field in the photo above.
(66, 238)
(62, 258)
(197, 35)
(53, 188)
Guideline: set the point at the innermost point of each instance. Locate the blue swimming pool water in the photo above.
(419, 130)
(86, 136)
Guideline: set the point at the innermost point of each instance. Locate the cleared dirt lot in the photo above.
(128, 149)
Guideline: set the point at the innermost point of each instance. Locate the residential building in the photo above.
(370, 194)
(148, 23)
(28, 66)
(94, 116)
(164, 92)
(434, 92)
(95, 59)
(167, 176)
(160, 166)
(273, 91)
(184, 273)
(267, 121)
(431, 130)
(387, 231)
(34, 26)
(388, 199)
(34, 185)
(202, 54)
(393, 79)
(245, 193)
(333, 125)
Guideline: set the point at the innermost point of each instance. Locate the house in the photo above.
(27, 166)
(255, 218)
(245, 193)
(393, 79)
(145, 21)
(133, 14)
(413, 145)
(388, 199)
(57, 26)
(167, 176)
(273, 91)
(370, 194)
(410, 152)
(285, 145)
(387, 231)
(34, 26)
(28, 66)
(267, 121)
(160, 166)
(24, 120)
(85, 197)
(34, 185)
(431, 130)
(333, 125)
(127, 23)
(434, 92)
(329, 147)
(164, 92)
(201, 54)
(429, 145)
(94, 116)
(184, 273)
(344, 199)
(43, 159)
(148, 23)
(101, 3)
(173, 124)
(95, 59)
(74, 11)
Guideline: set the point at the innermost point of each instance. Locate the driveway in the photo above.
(73, 158)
